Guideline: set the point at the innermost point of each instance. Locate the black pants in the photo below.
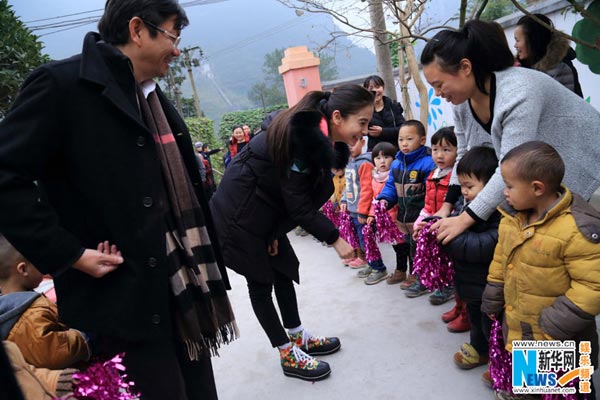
(264, 309)
(404, 257)
(481, 327)
(161, 370)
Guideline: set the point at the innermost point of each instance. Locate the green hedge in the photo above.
(252, 118)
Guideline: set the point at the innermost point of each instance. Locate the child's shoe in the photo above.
(453, 313)
(346, 261)
(297, 364)
(408, 282)
(416, 290)
(376, 277)
(397, 277)
(315, 345)
(363, 273)
(439, 297)
(461, 323)
(358, 263)
(469, 358)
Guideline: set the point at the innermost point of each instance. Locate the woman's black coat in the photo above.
(257, 203)
(390, 119)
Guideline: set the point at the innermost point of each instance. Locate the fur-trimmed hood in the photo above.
(310, 145)
(557, 50)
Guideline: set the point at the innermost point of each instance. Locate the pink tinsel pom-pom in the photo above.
(431, 263)
(103, 381)
(329, 211)
(347, 231)
(387, 230)
(372, 252)
(500, 360)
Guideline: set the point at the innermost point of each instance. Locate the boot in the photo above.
(461, 323)
(453, 313)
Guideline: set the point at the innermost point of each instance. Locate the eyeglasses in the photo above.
(175, 39)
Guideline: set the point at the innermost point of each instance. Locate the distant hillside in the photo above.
(235, 36)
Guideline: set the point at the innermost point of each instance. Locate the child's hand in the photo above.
(362, 220)
(343, 249)
(343, 207)
(370, 220)
(384, 202)
(272, 248)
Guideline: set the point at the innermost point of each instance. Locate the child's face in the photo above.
(338, 172)
(352, 127)
(470, 186)
(518, 193)
(444, 154)
(383, 162)
(409, 139)
(356, 149)
(238, 135)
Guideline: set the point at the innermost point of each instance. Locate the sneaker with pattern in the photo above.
(297, 364)
(315, 345)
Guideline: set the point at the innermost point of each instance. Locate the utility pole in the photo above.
(189, 62)
(176, 91)
(382, 48)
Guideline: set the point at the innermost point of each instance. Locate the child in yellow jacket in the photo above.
(545, 274)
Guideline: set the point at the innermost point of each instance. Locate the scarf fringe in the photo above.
(225, 335)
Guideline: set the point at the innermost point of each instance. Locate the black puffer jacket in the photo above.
(472, 253)
(390, 119)
(255, 204)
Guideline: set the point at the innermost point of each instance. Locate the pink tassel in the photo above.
(431, 263)
(329, 211)
(347, 231)
(103, 381)
(372, 252)
(500, 360)
(387, 231)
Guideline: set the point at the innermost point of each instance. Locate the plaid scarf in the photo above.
(202, 313)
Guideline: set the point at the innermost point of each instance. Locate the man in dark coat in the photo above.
(84, 196)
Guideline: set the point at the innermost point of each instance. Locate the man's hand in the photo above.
(343, 249)
(99, 262)
(272, 248)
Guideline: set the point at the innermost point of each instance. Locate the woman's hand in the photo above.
(343, 249)
(100, 262)
(272, 248)
(375, 131)
(451, 227)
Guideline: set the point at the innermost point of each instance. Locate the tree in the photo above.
(20, 53)
(270, 91)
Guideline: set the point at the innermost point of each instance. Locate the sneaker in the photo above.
(441, 296)
(408, 282)
(469, 358)
(416, 290)
(376, 277)
(358, 263)
(487, 378)
(397, 277)
(363, 273)
(297, 364)
(346, 261)
(315, 345)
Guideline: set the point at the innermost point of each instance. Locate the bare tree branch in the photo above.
(481, 9)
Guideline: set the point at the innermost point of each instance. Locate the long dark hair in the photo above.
(347, 99)
(483, 43)
(537, 38)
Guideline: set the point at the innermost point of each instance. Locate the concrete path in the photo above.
(393, 347)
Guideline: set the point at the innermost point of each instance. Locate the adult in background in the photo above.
(502, 106)
(164, 302)
(541, 49)
(387, 116)
(278, 181)
(210, 185)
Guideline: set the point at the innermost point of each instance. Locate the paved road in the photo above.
(392, 347)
